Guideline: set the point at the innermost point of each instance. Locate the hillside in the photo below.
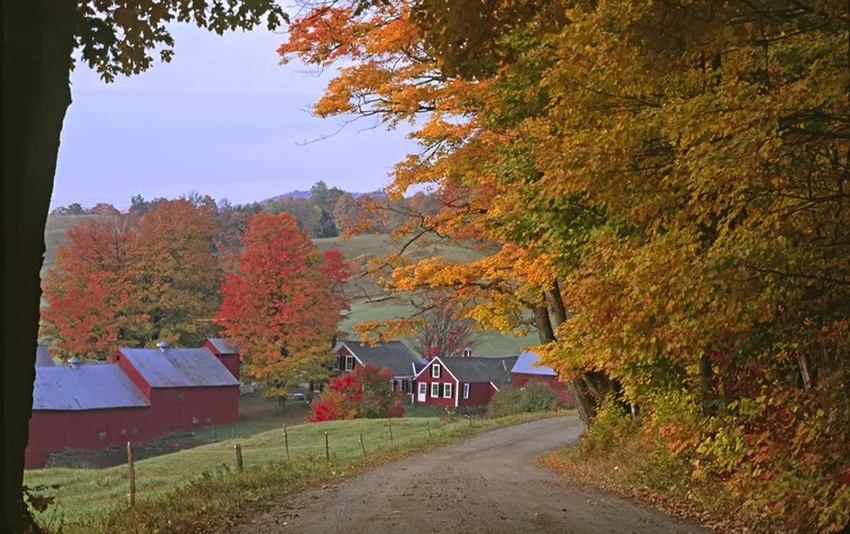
(358, 249)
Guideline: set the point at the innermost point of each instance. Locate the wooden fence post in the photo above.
(390, 424)
(286, 443)
(238, 457)
(362, 446)
(131, 476)
(428, 424)
(327, 448)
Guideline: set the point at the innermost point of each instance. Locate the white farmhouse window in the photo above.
(349, 363)
(435, 390)
(435, 371)
(447, 391)
(466, 391)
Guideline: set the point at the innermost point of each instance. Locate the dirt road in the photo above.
(488, 484)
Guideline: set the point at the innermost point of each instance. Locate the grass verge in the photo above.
(197, 490)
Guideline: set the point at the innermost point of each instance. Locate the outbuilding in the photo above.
(226, 352)
(393, 355)
(527, 368)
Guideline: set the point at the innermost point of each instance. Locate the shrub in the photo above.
(365, 392)
(608, 428)
(534, 397)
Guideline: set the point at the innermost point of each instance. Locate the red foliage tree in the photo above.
(283, 303)
(365, 392)
(87, 290)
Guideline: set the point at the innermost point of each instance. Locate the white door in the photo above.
(423, 388)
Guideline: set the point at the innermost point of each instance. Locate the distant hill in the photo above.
(305, 195)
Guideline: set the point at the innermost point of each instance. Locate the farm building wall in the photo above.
(480, 394)
(177, 408)
(445, 378)
(519, 380)
(232, 361)
(51, 430)
(132, 374)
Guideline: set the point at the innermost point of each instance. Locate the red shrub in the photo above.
(364, 392)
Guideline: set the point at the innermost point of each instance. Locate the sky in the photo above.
(224, 118)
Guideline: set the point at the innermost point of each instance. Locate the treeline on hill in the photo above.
(321, 211)
(669, 185)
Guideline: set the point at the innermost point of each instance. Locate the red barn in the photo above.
(89, 406)
(186, 387)
(226, 352)
(527, 369)
(394, 355)
(458, 382)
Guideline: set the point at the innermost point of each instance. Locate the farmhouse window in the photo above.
(447, 391)
(349, 363)
(466, 391)
(435, 371)
(435, 390)
(336, 363)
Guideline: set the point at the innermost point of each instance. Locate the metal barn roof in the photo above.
(223, 346)
(43, 358)
(176, 368)
(391, 354)
(84, 387)
(481, 369)
(527, 363)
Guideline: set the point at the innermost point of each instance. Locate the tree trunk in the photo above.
(556, 303)
(706, 385)
(38, 40)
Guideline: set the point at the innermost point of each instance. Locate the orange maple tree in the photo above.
(283, 303)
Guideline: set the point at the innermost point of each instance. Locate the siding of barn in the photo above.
(180, 408)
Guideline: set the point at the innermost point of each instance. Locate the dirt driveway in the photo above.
(488, 484)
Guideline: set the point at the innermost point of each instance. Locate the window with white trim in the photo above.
(435, 390)
(466, 391)
(336, 362)
(349, 363)
(447, 391)
(435, 371)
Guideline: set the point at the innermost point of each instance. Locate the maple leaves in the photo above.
(364, 392)
(283, 302)
(133, 281)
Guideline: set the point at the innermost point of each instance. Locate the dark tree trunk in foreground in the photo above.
(38, 39)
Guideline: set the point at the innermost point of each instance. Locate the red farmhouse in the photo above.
(457, 382)
(185, 386)
(226, 352)
(394, 355)
(526, 369)
(84, 406)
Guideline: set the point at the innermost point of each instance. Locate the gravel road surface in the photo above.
(488, 484)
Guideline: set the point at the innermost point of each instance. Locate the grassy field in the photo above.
(82, 493)
(358, 249)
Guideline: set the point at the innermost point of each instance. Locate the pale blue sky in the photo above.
(224, 118)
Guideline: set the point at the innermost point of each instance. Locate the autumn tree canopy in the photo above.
(668, 186)
(283, 302)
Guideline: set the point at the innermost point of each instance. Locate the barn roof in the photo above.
(223, 345)
(391, 354)
(89, 386)
(527, 363)
(481, 369)
(177, 368)
(43, 358)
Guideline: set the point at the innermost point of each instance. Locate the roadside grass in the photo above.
(631, 469)
(196, 490)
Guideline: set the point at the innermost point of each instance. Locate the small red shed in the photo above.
(527, 369)
(457, 382)
(226, 352)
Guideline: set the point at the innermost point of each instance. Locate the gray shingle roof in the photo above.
(43, 358)
(391, 354)
(175, 367)
(527, 364)
(85, 387)
(223, 346)
(480, 369)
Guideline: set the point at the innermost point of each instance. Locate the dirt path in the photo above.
(488, 484)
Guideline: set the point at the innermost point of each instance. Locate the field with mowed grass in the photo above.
(84, 496)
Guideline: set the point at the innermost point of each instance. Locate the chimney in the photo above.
(467, 352)
(162, 345)
(73, 362)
